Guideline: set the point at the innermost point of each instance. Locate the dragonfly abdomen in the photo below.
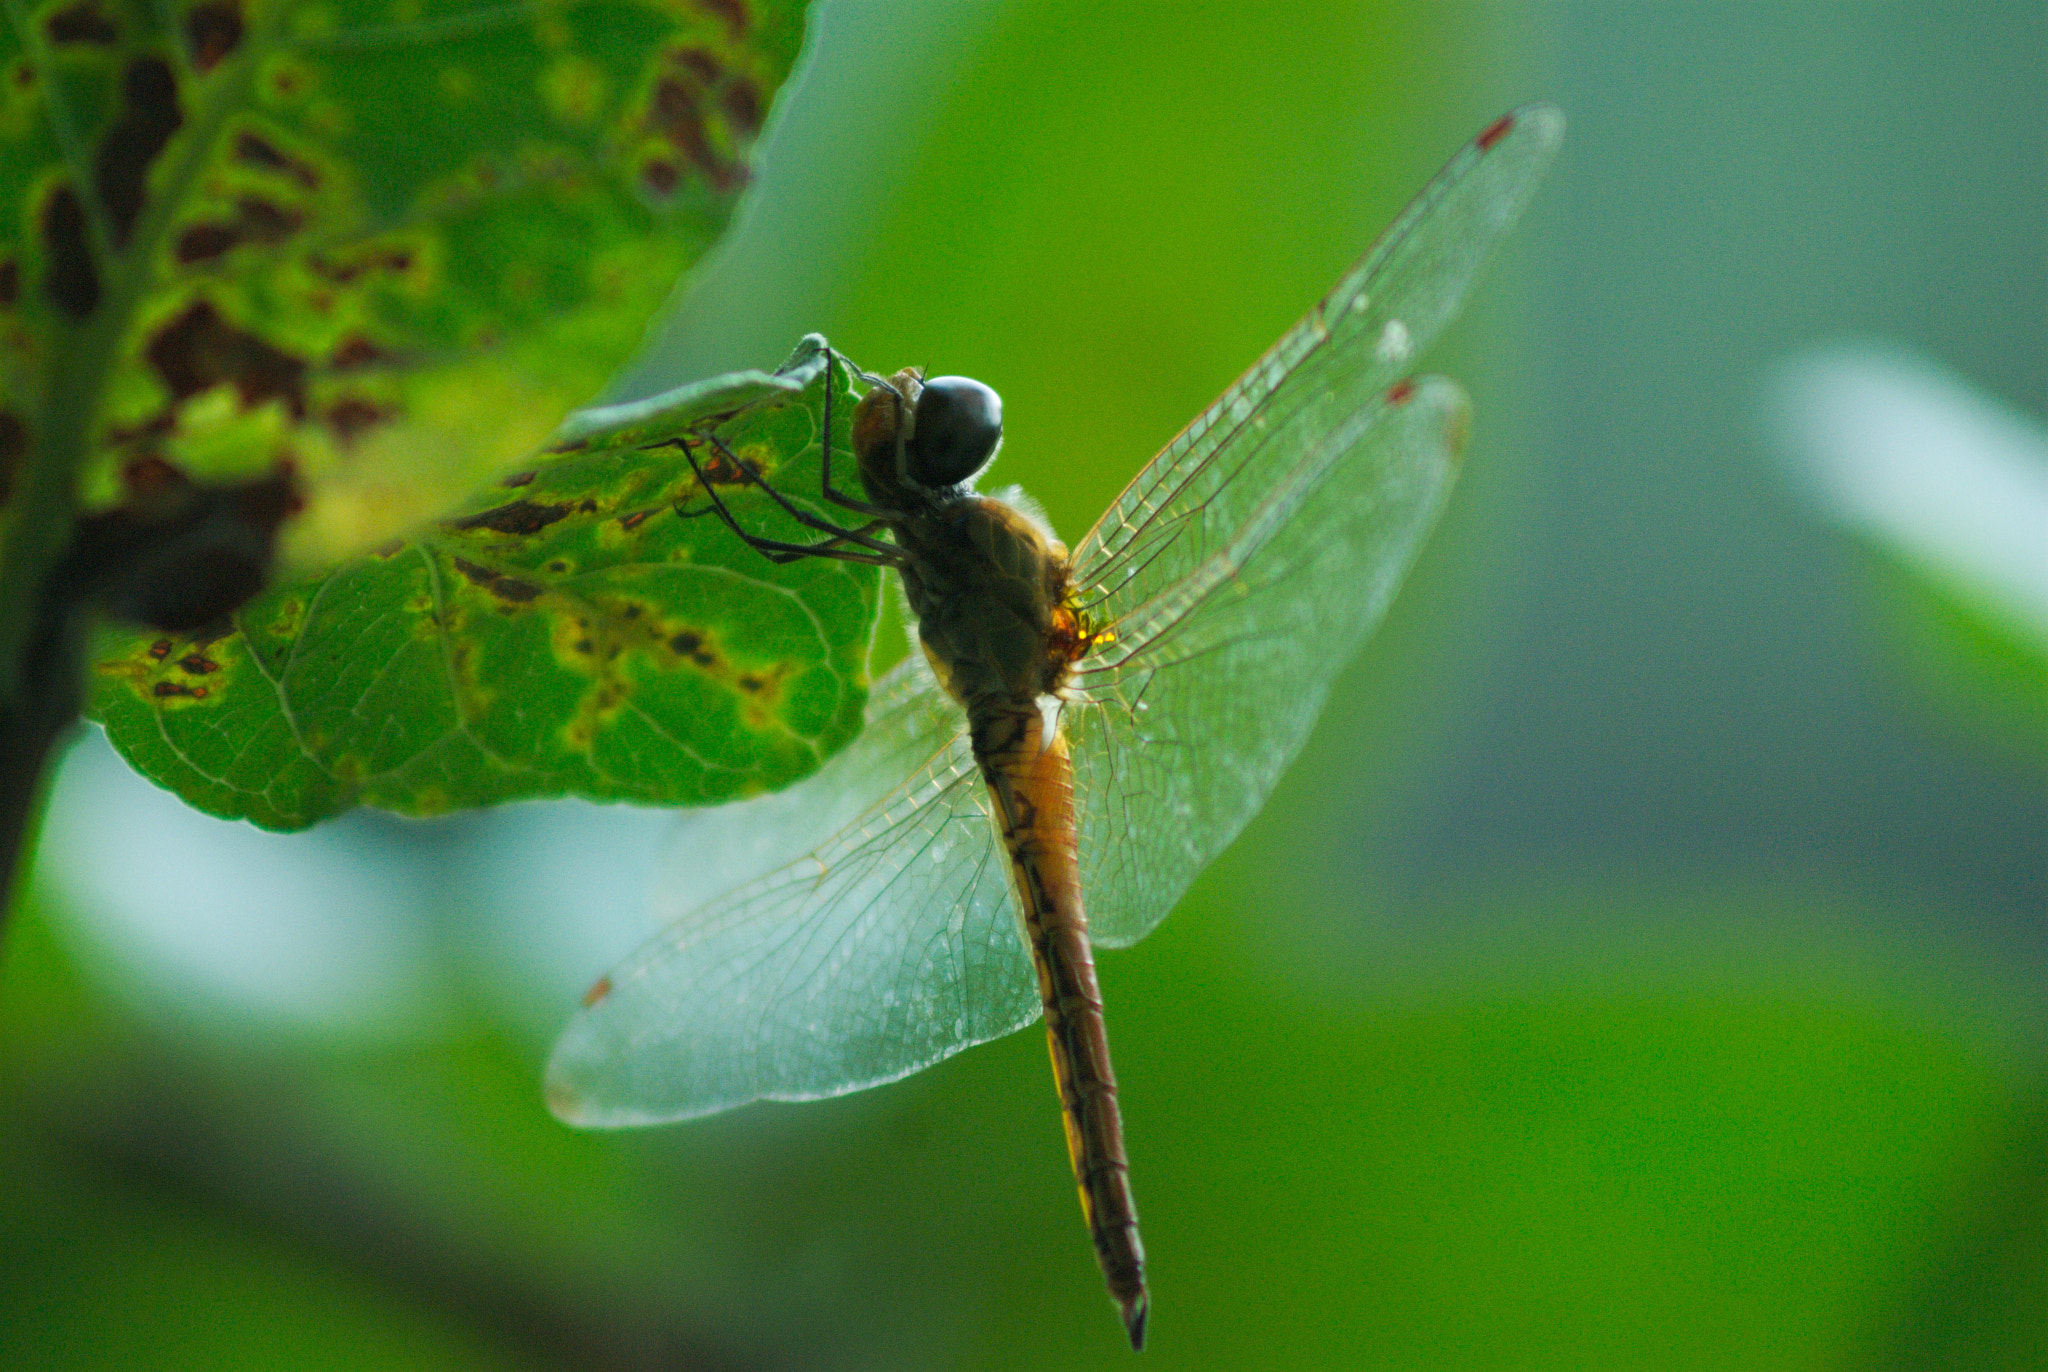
(1031, 781)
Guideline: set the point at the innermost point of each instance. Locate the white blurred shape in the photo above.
(185, 913)
(1902, 451)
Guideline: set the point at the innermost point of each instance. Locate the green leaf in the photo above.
(586, 627)
(383, 247)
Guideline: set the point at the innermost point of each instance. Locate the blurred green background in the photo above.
(1643, 969)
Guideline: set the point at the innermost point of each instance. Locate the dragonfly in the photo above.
(1083, 732)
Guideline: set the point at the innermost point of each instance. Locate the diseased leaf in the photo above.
(381, 247)
(586, 627)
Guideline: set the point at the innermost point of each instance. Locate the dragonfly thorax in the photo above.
(988, 586)
(989, 592)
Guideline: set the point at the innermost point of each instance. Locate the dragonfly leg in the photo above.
(839, 532)
(879, 554)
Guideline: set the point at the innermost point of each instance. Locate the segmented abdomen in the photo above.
(1030, 778)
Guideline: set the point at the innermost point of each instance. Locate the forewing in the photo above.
(1247, 562)
(889, 945)
(1181, 726)
(1274, 425)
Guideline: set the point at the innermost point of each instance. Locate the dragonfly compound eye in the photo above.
(959, 425)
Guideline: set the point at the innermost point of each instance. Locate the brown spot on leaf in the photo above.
(152, 478)
(660, 176)
(149, 116)
(635, 520)
(700, 64)
(70, 279)
(13, 448)
(82, 23)
(343, 272)
(741, 101)
(733, 12)
(202, 242)
(215, 30)
(198, 664)
(255, 151)
(164, 689)
(356, 351)
(599, 989)
(520, 517)
(160, 649)
(751, 684)
(10, 283)
(255, 221)
(387, 551)
(200, 350)
(719, 467)
(691, 646)
(519, 479)
(725, 470)
(677, 117)
(504, 587)
(558, 567)
(351, 415)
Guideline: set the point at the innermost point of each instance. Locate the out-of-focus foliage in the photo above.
(1563, 1178)
(1950, 489)
(382, 248)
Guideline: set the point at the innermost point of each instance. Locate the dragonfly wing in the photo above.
(1341, 359)
(1183, 724)
(887, 946)
(1244, 565)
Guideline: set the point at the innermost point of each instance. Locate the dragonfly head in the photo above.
(954, 427)
(957, 428)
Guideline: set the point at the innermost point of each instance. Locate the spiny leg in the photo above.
(839, 532)
(775, 550)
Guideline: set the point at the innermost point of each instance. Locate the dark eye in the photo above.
(959, 424)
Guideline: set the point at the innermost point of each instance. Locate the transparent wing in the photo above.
(889, 945)
(1182, 725)
(1245, 564)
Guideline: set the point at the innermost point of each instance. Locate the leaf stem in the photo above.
(41, 659)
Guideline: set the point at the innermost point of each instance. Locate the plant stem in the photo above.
(42, 668)
(41, 657)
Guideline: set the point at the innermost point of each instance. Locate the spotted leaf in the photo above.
(373, 249)
(586, 626)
